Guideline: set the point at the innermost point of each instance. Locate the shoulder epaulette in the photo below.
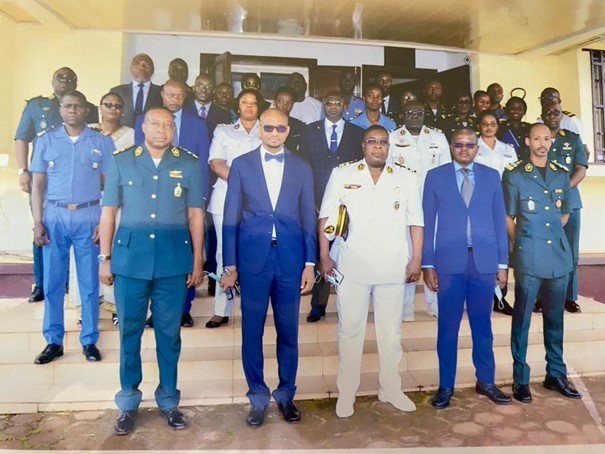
(41, 133)
(569, 114)
(514, 165)
(344, 164)
(560, 166)
(404, 167)
(434, 127)
(132, 147)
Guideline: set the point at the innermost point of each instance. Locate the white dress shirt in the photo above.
(274, 174)
(135, 92)
(340, 126)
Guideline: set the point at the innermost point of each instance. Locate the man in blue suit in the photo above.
(466, 259)
(327, 144)
(191, 134)
(269, 242)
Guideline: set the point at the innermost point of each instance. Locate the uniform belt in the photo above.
(273, 242)
(74, 206)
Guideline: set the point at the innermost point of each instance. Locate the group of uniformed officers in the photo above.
(368, 177)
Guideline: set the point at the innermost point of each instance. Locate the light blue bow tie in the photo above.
(278, 157)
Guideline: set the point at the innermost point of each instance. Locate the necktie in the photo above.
(333, 140)
(383, 108)
(278, 157)
(138, 105)
(203, 112)
(466, 191)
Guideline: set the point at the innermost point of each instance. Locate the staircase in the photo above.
(210, 370)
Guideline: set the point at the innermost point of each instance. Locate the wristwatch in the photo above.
(103, 258)
(21, 171)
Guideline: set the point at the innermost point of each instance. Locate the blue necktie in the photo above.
(203, 112)
(138, 105)
(333, 140)
(466, 191)
(278, 157)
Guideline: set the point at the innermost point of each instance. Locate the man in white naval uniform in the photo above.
(381, 201)
(418, 148)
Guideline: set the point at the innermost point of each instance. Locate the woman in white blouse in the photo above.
(492, 152)
(229, 142)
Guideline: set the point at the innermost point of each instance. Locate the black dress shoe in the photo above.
(442, 397)
(522, 393)
(214, 324)
(256, 416)
(91, 352)
(187, 320)
(562, 385)
(125, 422)
(289, 411)
(50, 352)
(36, 295)
(502, 306)
(537, 307)
(174, 417)
(149, 322)
(572, 306)
(315, 314)
(493, 393)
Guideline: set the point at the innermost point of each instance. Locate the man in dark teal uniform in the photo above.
(567, 149)
(156, 255)
(41, 114)
(538, 203)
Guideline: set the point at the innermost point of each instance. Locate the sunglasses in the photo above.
(111, 105)
(377, 141)
(73, 106)
(270, 128)
(461, 145)
(65, 78)
(414, 113)
(333, 103)
(552, 113)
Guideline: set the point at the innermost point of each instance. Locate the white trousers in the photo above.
(222, 306)
(352, 305)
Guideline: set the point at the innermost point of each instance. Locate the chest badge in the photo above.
(531, 206)
(396, 205)
(567, 159)
(566, 146)
(43, 123)
(558, 203)
(95, 165)
(51, 164)
(175, 174)
(178, 190)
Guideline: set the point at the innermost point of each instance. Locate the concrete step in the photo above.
(210, 369)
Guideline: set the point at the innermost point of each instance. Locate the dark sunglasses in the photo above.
(552, 113)
(333, 103)
(461, 145)
(270, 128)
(111, 105)
(414, 113)
(66, 78)
(377, 141)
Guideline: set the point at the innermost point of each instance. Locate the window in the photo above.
(597, 58)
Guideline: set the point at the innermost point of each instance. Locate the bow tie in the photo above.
(278, 157)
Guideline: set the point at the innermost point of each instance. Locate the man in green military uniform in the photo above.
(156, 254)
(567, 149)
(537, 201)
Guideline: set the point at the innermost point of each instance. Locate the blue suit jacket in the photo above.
(314, 148)
(445, 211)
(249, 217)
(193, 137)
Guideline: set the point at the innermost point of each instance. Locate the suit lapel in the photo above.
(258, 169)
(452, 183)
(288, 175)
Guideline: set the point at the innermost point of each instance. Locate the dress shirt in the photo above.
(135, 92)
(274, 174)
(198, 106)
(340, 126)
(177, 126)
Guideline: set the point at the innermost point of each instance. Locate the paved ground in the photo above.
(471, 421)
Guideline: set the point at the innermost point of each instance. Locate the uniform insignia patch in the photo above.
(402, 144)
(138, 151)
(396, 205)
(558, 191)
(567, 159)
(329, 229)
(45, 108)
(175, 174)
(402, 132)
(553, 167)
(351, 186)
(560, 166)
(361, 166)
(175, 152)
(566, 146)
(400, 160)
(236, 126)
(561, 132)
(528, 167)
(558, 203)
(178, 190)
(389, 169)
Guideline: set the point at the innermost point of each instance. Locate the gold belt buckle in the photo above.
(72, 206)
